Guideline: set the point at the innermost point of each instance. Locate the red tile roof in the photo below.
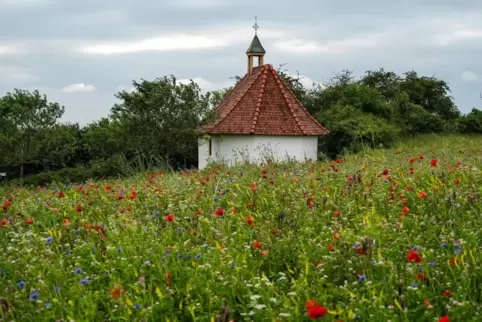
(261, 103)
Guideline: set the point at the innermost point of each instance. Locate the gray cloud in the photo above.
(53, 44)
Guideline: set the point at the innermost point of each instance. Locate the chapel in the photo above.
(260, 119)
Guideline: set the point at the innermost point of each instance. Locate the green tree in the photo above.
(27, 116)
(472, 122)
(161, 118)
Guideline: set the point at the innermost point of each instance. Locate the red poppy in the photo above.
(447, 293)
(61, 194)
(132, 195)
(414, 256)
(169, 218)
(422, 194)
(433, 162)
(78, 208)
(316, 311)
(412, 160)
(336, 213)
(444, 318)
(249, 220)
(331, 248)
(29, 220)
(254, 187)
(457, 181)
(219, 212)
(310, 303)
(256, 244)
(422, 277)
(5, 222)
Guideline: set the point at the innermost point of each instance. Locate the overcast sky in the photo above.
(80, 53)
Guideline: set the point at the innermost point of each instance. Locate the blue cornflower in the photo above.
(457, 245)
(84, 281)
(137, 306)
(167, 252)
(415, 248)
(57, 288)
(179, 229)
(444, 245)
(433, 263)
(68, 252)
(147, 262)
(78, 271)
(48, 304)
(119, 250)
(21, 284)
(233, 265)
(361, 278)
(205, 246)
(48, 239)
(34, 296)
(459, 251)
(197, 256)
(356, 245)
(414, 285)
(180, 255)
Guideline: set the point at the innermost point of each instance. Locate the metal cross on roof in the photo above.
(255, 26)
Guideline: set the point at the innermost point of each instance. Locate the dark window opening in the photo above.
(210, 147)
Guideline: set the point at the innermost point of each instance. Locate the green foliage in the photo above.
(27, 117)
(164, 116)
(472, 122)
(351, 129)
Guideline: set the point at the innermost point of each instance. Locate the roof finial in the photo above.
(255, 26)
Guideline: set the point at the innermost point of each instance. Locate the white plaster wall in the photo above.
(232, 149)
(203, 152)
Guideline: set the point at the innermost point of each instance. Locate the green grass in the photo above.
(140, 267)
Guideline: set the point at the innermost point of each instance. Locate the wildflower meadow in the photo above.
(384, 235)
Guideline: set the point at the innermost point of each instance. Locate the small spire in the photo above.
(255, 26)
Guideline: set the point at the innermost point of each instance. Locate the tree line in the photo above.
(155, 124)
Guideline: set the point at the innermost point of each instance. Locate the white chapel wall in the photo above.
(233, 149)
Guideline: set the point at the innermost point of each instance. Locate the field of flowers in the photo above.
(387, 235)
